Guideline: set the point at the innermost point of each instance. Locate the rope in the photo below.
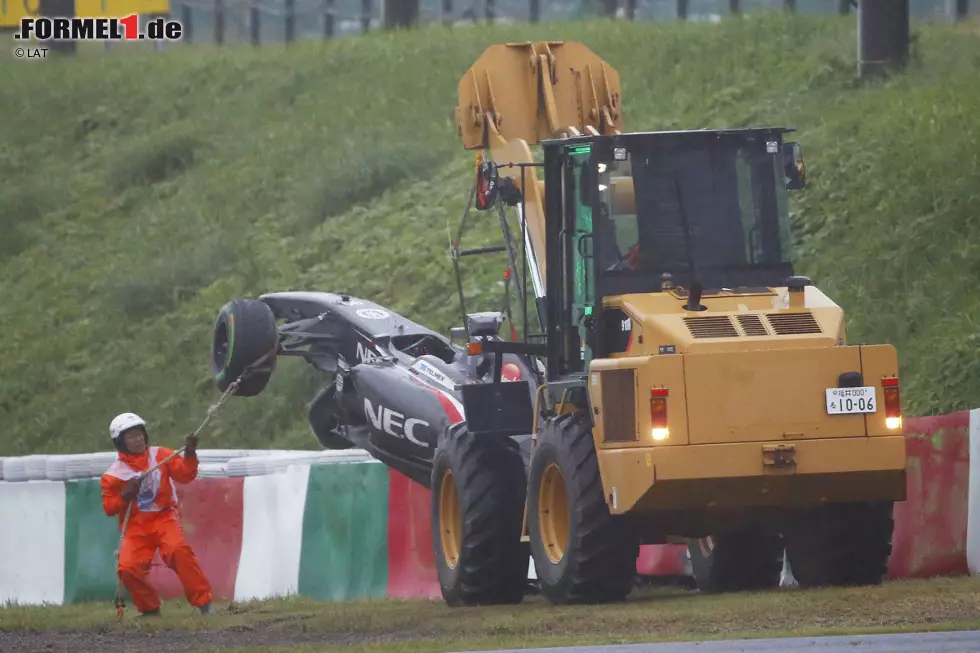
(120, 602)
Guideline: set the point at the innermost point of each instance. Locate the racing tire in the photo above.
(244, 331)
(841, 544)
(477, 510)
(582, 553)
(737, 561)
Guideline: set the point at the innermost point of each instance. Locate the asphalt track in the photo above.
(950, 642)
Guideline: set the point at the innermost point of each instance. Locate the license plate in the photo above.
(849, 401)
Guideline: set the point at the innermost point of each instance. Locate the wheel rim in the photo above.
(220, 347)
(553, 513)
(450, 520)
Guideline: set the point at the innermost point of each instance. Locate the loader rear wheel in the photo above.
(843, 544)
(244, 331)
(477, 509)
(736, 561)
(582, 553)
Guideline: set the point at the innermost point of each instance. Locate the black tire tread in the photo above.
(256, 334)
(842, 544)
(602, 553)
(741, 560)
(490, 478)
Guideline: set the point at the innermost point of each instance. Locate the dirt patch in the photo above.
(272, 633)
(162, 641)
(388, 625)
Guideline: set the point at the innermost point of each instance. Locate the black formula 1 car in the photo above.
(396, 386)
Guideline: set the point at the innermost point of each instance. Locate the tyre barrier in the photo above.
(340, 525)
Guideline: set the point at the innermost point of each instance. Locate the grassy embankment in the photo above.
(141, 192)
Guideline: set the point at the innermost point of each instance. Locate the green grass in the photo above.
(652, 614)
(143, 191)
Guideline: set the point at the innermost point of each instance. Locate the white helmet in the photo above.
(123, 422)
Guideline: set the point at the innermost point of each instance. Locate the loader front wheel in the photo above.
(582, 553)
(841, 544)
(477, 509)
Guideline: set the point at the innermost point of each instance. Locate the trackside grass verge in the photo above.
(143, 190)
(388, 625)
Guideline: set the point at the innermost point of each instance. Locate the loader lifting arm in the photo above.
(518, 94)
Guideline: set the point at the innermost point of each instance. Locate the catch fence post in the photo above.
(159, 43)
(255, 24)
(219, 21)
(962, 10)
(883, 36)
(290, 26)
(187, 21)
(328, 18)
(56, 9)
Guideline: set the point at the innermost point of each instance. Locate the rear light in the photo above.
(474, 348)
(893, 403)
(658, 414)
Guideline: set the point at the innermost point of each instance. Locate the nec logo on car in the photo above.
(393, 423)
(366, 355)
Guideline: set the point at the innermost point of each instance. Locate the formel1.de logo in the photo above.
(126, 28)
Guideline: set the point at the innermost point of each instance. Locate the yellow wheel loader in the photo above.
(692, 388)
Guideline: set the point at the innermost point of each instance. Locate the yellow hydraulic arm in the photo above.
(518, 94)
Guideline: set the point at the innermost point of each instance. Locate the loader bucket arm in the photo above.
(518, 94)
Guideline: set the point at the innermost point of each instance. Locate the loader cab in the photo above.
(642, 212)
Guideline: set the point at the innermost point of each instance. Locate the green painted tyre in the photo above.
(244, 331)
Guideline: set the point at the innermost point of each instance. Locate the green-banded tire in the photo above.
(244, 331)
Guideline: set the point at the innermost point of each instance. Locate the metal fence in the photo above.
(270, 21)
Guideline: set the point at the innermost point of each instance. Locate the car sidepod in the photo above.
(404, 414)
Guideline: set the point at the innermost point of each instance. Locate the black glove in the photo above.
(190, 446)
(131, 489)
